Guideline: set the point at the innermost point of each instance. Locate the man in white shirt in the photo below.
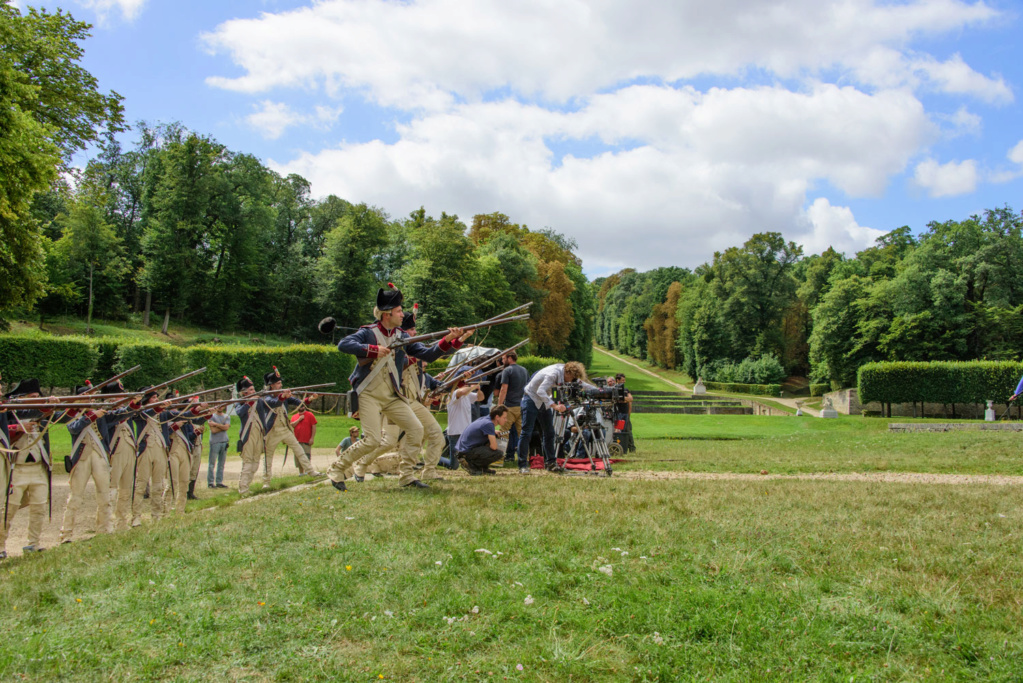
(538, 407)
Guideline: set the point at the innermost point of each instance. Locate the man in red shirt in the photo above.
(304, 423)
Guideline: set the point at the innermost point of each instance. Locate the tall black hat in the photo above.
(148, 394)
(113, 388)
(271, 377)
(83, 388)
(244, 383)
(25, 386)
(409, 321)
(389, 298)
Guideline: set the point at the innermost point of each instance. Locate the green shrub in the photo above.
(299, 364)
(763, 370)
(55, 361)
(819, 389)
(107, 348)
(160, 362)
(737, 388)
(938, 381)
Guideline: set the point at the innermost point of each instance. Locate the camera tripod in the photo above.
(589, 439)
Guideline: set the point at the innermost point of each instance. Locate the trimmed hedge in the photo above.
(55, 361)
(938, 381)
(160, 362)
(754, 389)
(819, 389)
(299, 364)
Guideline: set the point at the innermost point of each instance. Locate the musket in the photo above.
(487, 362)
(262, 394)
(320, 393)
(41, 405)
(185, 397)
(69, 399)
(113, 379)
(399, 343)
(454, 380)
(179, 378)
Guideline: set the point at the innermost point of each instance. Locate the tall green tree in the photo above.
(346, 286)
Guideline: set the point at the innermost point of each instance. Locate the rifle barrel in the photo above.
(434, 335)
(113, 379)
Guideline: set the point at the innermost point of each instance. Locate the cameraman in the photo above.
(623, 413)
(538, 406)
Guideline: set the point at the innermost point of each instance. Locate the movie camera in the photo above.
(586, 422)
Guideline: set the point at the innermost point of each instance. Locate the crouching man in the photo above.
(477, 446)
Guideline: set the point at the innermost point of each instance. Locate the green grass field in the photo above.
(133, 329)
(582, 578)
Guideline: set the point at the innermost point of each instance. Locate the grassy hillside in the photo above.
(133, 329)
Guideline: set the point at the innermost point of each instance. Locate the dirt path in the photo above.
(641, 369)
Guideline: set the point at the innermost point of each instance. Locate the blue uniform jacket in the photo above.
(104, 425)
(266, 407)
(363, 344)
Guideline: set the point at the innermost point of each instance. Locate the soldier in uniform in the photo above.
(91, 437)
(182, 442)
(28, 476)
(250, 438)
(379, 386)
(123, 455)
(416, 383)
(152, 463)
(193, 472)
(273, 414)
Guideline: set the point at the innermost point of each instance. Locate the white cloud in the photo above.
(271, 119)
(702, 171)
(835, 226)
(129, 9)
(1015, 155)
(427, 53)
(947, 180)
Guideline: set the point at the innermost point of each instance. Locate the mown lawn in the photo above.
(762, 580)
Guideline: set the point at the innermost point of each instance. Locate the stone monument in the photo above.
(828, 408)
(699, 389)
(989, 414)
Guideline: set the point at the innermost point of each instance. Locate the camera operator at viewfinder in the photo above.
(538, 407)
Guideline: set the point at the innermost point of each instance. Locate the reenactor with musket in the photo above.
(272, 408)
(182, 442)
(153, 462)
(250, 438)
(381, 348)
(26, 457)
(92, 434)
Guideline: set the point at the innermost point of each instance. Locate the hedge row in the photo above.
(66, 361)
(819, 389)
(755, 389)
(938, 381)
(55, 361)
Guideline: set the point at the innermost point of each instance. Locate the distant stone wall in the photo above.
(847, 402)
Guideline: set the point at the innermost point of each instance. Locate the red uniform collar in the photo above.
(383, 329)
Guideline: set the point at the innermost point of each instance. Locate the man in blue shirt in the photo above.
(477, 446)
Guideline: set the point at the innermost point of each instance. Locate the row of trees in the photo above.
(951, 293)
(179, 225)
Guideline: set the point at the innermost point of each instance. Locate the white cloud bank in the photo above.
(272, 119)
(129, 9)
(491, 89)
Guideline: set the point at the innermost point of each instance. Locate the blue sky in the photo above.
(653, 133)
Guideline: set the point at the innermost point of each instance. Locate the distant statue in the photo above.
(700, 389)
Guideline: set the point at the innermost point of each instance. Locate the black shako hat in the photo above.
(244, 383)
(271, 377)
(389, 298)
(25, 386)
(148, 394)
(409, 321)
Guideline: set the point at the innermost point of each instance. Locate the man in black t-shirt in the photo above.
(512, 380)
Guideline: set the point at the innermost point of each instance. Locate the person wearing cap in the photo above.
(416, 383)
(250, 437)
(182, 444)
(152, 463)
(273, 414)
(28, 479)
(460, 402)
(377, 381)
(123, 457)
(91, 437)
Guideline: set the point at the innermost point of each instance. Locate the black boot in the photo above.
(191, 490)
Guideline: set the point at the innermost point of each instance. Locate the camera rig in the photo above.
(588, 420)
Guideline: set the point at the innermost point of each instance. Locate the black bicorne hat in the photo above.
(114, 388)
(25, 386)
(409, 321)
(389, 298)
(243, 383)
(83, 388)
(271, 377)
(327, 325)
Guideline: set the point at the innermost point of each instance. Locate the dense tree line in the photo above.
(762, 311)
(181, 227)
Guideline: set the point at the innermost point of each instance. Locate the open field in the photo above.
(631, 577)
